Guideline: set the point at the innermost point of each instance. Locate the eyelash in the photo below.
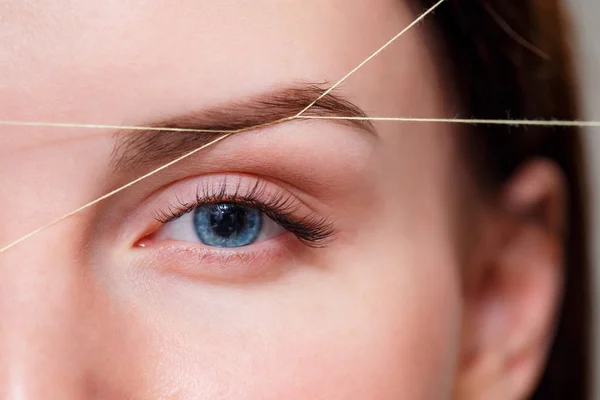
(311, 230)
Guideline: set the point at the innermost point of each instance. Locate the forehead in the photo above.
(100, 55)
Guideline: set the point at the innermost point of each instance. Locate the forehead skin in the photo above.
(194, 53)
(132, 61)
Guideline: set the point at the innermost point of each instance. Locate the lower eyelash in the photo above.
(311, 230)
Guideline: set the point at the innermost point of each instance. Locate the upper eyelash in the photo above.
(311, 230)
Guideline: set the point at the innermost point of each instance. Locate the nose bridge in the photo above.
(42, 302)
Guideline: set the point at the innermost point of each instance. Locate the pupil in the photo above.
(227, 219)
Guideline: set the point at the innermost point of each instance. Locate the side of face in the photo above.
(116, 302)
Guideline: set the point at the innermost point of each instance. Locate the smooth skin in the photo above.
(413, 299)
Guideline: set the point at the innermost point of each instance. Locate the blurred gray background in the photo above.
(586, 24)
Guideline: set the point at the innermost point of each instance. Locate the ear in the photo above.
(515, 287)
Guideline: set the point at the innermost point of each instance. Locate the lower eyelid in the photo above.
(265, 260)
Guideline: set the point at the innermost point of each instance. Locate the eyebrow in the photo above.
(139, 148)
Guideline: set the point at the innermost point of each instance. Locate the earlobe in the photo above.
(510, 315)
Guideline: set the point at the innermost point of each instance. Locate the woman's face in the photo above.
(353, 295)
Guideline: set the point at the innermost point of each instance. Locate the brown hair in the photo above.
(509, 59)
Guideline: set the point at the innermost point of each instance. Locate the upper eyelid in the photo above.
(205, 194)
(183, 193)
(229, 185)
(251, 199)
(316, 187)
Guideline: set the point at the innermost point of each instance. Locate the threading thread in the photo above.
(513, 122)
(478, 121)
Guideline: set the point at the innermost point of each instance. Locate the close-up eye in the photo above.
(231, 212)
(224, 224)
(227, 227)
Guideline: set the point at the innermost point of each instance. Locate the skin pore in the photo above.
(113, 304)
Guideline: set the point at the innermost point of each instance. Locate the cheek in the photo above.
(382, 327)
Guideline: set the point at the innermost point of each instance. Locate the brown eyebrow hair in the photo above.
(135, 149)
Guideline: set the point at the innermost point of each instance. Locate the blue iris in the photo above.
(227, 224)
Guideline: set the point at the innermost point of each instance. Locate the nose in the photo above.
(44, 298)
